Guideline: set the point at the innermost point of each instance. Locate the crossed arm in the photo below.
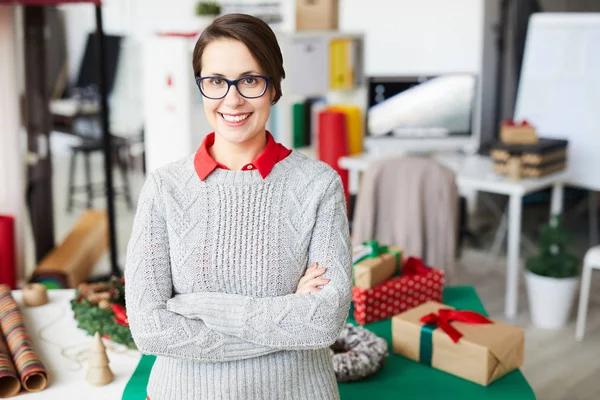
(295, 321)
(221, 327)
(148, 287)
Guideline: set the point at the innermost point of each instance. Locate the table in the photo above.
(401, 378)
(53, 328)
(475, 173)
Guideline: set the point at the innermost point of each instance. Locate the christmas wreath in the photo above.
(100, 307)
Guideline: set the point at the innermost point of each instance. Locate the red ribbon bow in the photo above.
(444, 316)
(414, 266)
(511, 122)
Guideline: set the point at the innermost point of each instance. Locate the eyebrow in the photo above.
(251, 72)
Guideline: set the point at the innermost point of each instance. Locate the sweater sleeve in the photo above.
(294, 321)
(148, 286)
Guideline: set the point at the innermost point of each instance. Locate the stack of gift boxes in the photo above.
(385, 284)
(520, 153)
(388, 285)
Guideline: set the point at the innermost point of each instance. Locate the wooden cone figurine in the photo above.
(99, 373)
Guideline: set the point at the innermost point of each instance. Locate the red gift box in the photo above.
(418, 284)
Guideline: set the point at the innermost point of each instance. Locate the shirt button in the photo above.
(249, 167)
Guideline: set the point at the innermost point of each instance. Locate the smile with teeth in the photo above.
(234, 118)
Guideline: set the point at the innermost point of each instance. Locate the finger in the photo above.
(318, 281)
(315, 272)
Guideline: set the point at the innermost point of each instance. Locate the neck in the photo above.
(236, 155)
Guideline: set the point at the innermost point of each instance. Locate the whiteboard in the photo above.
(559, 89)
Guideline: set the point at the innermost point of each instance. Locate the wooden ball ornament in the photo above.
(35, 294)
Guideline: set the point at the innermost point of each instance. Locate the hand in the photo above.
(310, 282)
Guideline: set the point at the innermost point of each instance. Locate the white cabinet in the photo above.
(305, 63)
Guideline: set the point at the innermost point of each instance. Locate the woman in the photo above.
(238, 272)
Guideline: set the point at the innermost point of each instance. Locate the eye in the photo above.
(216, 81)
(250, 81)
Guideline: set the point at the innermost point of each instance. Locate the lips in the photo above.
(235, 118)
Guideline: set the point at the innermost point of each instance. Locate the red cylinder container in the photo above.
(333, 142)
(7, 251)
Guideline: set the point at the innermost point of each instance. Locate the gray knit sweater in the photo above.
(211, 274)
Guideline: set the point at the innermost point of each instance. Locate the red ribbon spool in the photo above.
(333, 142)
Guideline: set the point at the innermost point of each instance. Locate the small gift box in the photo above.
(535, 160)
(522, 132)
(417, 284)
(374, 264)
(462, 343)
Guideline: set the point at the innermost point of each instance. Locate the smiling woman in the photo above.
(238, 273)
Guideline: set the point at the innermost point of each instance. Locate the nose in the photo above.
(233, 98)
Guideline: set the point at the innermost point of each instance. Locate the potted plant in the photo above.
(206, 11)
(552, 277)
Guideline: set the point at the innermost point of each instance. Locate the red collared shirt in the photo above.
(264, 163)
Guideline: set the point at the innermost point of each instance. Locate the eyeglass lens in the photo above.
(250, 86)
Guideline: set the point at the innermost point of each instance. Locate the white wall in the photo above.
(424, 36)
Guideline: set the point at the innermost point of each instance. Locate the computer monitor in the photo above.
(421, 113)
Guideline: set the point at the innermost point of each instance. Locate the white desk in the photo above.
(52, 325)
(475, 173)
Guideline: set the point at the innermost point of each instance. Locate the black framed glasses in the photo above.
(217, 87)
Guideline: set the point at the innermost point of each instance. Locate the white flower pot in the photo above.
(550, 300)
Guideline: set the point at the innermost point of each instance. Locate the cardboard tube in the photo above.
(33, 374)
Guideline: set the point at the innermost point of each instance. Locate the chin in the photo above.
(236, 135)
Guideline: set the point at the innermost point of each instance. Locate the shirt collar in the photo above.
(264, 163)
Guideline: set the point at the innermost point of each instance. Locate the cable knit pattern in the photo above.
(212, 270)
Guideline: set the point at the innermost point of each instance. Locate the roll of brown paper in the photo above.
(33, 374)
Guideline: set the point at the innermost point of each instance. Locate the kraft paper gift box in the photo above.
(374, 264)
(316, 15)
(416, 285)
(462, 343)
(512, 132)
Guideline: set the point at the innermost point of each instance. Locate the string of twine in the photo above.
(77, 354)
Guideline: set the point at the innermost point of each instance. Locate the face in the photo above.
(234, 118)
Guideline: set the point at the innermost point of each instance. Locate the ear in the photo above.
(272, 95)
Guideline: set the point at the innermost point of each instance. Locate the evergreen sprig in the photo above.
(92, 318)
(208, 8)
(554, 259)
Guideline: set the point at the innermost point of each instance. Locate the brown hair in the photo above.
(255, 34)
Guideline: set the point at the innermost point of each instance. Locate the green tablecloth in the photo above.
(400, 378)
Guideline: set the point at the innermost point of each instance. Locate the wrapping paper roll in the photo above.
(333, 142)
(10, 384)
(354, 126)
(33, 374)
(7, 251)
